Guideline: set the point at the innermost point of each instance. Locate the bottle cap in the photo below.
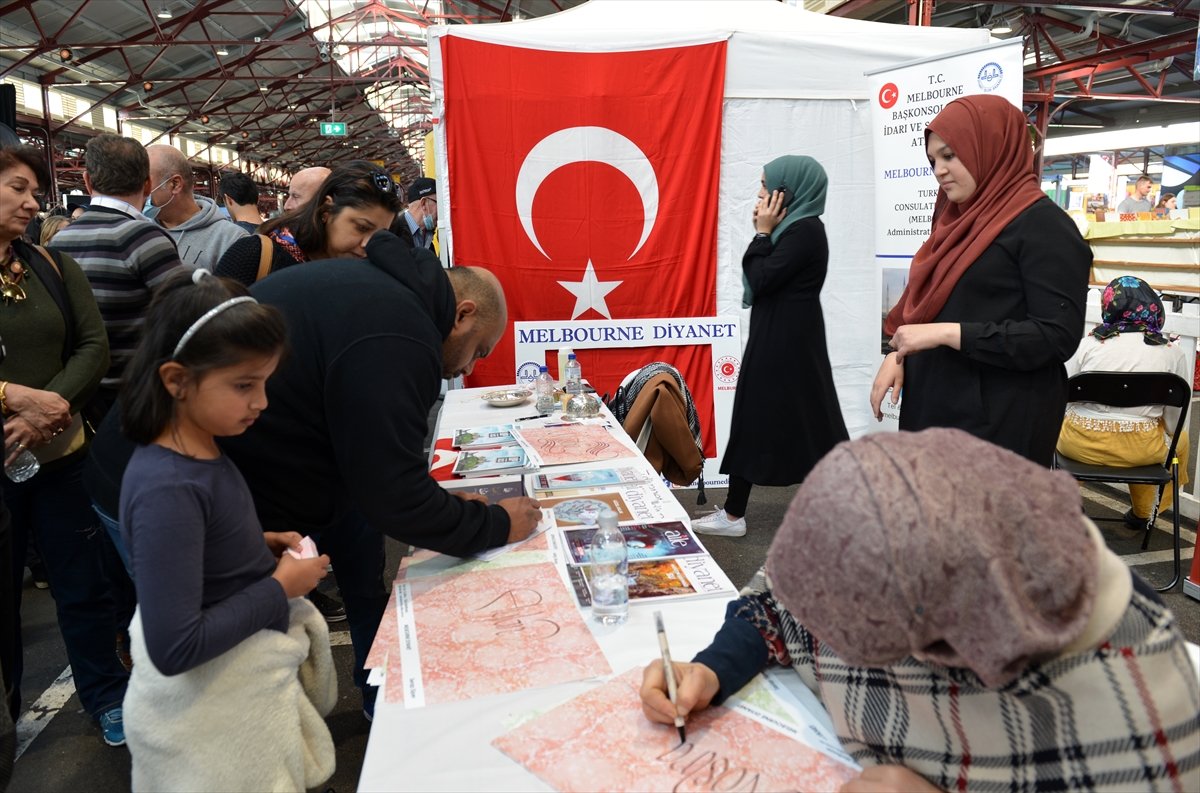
(607, 519)
(571, 357)
(544, 368)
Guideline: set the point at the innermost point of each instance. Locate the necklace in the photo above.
(12, 272)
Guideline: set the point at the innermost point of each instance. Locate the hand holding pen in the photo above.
(696, 685)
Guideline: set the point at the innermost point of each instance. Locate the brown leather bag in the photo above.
(670, 448)
(266, 254)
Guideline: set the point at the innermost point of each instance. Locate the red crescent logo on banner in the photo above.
(888, 95)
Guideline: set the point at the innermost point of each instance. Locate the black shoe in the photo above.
(331, 609)
(1134, 522)
(37, 572)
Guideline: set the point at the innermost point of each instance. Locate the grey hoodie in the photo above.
(204, 237)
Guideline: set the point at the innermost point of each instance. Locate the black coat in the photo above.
(1021, 309)
(786, 415)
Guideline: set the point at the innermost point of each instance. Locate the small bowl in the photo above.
(507, 399)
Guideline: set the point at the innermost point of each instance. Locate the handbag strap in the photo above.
(266, 254)
(47, 266)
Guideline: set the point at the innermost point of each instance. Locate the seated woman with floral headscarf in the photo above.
(1129, 338)
(965, 626)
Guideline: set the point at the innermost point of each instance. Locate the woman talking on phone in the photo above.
(785, 412)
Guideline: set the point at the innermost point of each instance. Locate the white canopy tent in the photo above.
(794, 84)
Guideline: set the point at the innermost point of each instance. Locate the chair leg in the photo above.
(1153, 516)
(1175, 522)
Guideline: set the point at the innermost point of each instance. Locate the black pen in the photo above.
(531, 418)
(669, 671)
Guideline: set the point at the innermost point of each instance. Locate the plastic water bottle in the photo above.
(22, 468)
(610, 571)
(544, 385)
(573, 375)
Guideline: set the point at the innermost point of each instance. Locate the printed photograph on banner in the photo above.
(894, 281)
(577, 174)
(623, 750)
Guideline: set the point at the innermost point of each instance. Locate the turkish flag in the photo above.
(588, 183)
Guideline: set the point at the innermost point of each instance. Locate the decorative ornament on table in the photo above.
(584, 405)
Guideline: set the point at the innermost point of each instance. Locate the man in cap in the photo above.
(415, 225)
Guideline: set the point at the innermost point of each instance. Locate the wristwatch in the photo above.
(762, 235)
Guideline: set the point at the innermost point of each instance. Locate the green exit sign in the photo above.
(335, 128)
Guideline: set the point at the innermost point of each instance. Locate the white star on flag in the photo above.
(589, 293)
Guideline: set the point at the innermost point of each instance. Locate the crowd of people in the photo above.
(197, 413)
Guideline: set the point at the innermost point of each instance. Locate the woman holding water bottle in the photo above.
(57, 352)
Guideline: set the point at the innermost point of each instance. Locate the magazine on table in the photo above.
(498, 461)
(654, 580)
(643, 541)
(494, 491)
(584, 509)
(483, 437)
(564, 482)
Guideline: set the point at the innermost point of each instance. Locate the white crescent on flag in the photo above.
(586, 144)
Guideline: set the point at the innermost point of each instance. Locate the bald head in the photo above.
(167, 161)
(304, 186)
(480, 318)
(481, 287)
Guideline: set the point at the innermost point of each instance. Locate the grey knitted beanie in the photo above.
(938, 545)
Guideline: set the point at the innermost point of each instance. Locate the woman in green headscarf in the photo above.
(785, 412)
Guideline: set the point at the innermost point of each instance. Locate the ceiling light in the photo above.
(222, 50)
(204, 119)
(245, 134)
(1001, 27)
(164, 12)
(65, 54)
(147, 86)
(262, 88)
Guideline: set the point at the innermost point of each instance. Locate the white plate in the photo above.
(507, 399)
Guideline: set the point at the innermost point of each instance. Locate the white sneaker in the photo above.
(720, 524)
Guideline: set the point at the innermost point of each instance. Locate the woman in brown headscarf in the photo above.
(965, 629)
(995, 299)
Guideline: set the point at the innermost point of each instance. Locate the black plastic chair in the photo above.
(1125, 390)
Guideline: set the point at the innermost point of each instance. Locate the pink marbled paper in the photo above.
(495, 631)
(601, 741)
(387, 637)
(577, 444)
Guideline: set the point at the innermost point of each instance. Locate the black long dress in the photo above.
(1021, 309)
(786, 415)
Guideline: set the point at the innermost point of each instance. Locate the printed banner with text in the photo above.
(587, 182)
(906, 99)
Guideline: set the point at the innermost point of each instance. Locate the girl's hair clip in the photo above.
(198, 274)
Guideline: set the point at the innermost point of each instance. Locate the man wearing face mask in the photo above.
(200, 233)
(415, 225)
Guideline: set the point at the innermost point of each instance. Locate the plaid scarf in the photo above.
(1124, 716)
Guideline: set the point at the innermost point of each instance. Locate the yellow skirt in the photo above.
(1084, 440)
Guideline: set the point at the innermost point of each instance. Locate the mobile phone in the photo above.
(787, 195)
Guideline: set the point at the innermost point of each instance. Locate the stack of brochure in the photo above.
(492, 451)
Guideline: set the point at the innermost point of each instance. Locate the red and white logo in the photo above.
(583, 181)
(726, 369)
(889, 94)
